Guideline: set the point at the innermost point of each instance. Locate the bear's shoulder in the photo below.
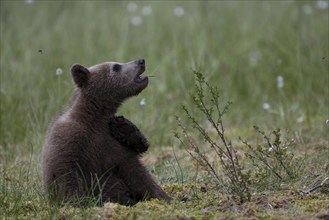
(66, 131)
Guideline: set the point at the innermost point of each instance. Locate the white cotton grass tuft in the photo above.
(136, 20)
(179, 11)
(254, 58)
(300, 119)
(29, 2)
(142, 102)
(147, 10)
(266, 106)
(132, 6)
(280, 82)
(59, 71)
(307, 9)
(322, 4)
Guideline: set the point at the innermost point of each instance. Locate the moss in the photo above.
(195, 202)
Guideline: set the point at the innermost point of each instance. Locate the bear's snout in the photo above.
(141, 66)
(141, 62)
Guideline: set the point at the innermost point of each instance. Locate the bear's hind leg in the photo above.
(141, 183)
(115, 190)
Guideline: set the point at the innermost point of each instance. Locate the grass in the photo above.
(241, 46)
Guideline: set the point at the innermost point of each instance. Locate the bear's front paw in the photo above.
(127, 134)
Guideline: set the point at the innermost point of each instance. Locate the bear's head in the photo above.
(111, 81)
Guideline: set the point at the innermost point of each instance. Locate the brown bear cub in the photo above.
(92, 155)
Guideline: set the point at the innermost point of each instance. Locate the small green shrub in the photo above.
(230, 179)
(272, 163)
(268, 165)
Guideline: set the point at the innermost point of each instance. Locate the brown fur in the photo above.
(81, 159)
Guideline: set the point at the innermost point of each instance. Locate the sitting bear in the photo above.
(89, 153)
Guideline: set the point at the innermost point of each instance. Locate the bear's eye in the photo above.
(116, 67)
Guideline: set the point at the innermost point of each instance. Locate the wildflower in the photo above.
(136, 20)
(179, 11)
(59, 71)
(142, 102)
(132, 6)
(280, 82)
(147, 10)
(323, 5)
(270, 149)
(307, 9)
(266, 106)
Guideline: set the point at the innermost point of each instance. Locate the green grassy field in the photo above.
(270, 58)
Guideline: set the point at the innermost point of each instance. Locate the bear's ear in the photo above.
(80, 75)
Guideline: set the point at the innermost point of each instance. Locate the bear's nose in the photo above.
(141, 61)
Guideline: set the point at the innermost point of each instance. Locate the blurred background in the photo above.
(270, 58)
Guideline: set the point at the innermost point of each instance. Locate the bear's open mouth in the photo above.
(139, 78)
